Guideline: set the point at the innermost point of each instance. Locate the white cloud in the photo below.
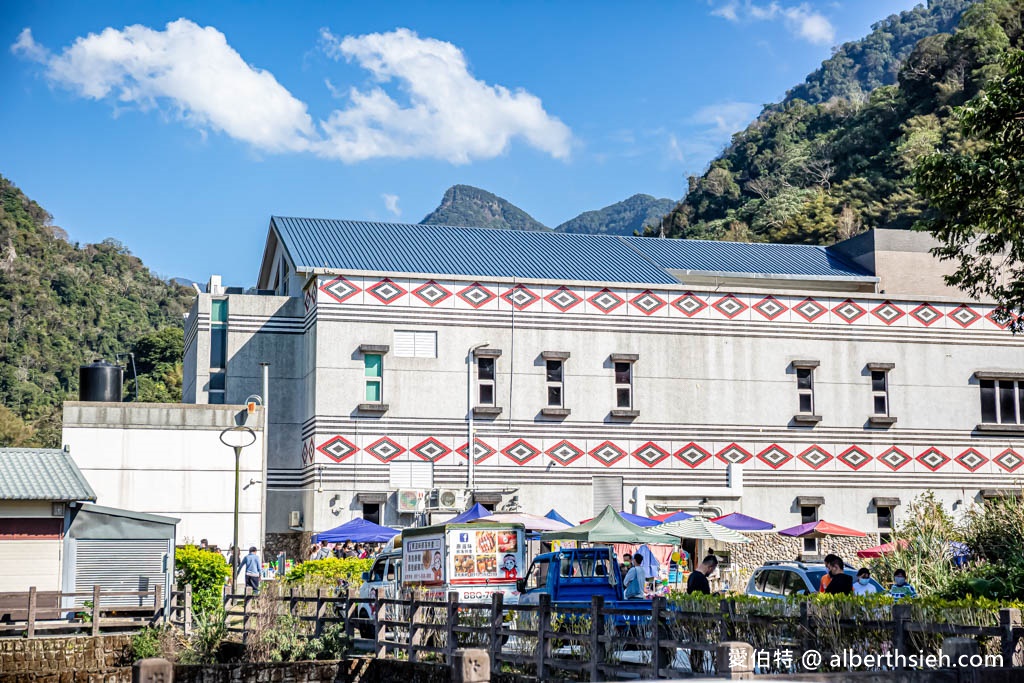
(801, 20)
(193, 72)
(449, 114)
(189, 68)
(725, 118)
(391, 203)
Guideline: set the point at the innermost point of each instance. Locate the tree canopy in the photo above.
(977, 191)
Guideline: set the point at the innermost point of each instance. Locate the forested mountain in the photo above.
(817, 172)
(621, 218)
(465, 205)
(63, 304)
(858, 67)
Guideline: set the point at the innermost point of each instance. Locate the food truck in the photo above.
(474, 560)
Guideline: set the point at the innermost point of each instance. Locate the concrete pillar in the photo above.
(470, 666)
(954, 648)
(735, 660)
(152, 670)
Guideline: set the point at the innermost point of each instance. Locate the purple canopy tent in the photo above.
(737, 521)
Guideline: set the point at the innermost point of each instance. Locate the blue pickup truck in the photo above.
(573, 576)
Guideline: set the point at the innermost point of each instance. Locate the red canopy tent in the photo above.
(820, 529)
(879, 550)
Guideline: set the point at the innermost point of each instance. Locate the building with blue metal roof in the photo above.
(416, 370)
(310, 244)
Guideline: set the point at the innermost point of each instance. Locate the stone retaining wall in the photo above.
(43, 656)
(763, 547)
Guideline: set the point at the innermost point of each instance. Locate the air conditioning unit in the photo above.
(411, 500)
(295, 518)
(450, 499)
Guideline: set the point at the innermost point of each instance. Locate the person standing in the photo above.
(251, 565)
(633, 585)
(627, 562)
(839, 581)
(863, 586)
(900, 587)
(698, 581)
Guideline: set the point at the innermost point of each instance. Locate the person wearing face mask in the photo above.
(900, 587)
(839, 581)
(863, 585)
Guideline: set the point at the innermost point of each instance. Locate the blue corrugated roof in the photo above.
(741, 257)
(485, 252)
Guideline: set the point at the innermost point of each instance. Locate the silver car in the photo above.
(780, 579)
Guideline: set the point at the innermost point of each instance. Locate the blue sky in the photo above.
(180, 128)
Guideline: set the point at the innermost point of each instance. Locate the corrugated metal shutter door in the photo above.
(120, 565)
(607, 491)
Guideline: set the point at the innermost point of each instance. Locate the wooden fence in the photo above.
(36, 613)
(596, 642)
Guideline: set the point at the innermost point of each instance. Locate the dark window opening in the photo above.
(371, 512)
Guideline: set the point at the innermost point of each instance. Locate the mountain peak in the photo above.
(465, 205)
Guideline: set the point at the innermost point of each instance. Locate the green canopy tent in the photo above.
(609, 527)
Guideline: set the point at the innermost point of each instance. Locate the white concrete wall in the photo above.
(168, 459)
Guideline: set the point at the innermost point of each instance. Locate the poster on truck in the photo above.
(423, 559)
(486, 555)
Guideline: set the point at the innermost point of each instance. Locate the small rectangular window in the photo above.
(884, 517)
(218, 310)
(373, 373)
(988, 400)
(485, 379)
(805, 389)
(1002, 401)
(623, 385)
(554, 372)
(216, 388)
(808, 514)
(880, 392)
(1007, 402)
(218, 347)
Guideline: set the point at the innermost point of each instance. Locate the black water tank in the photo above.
(100, 381)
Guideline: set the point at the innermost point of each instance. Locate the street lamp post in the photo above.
(470, 357)
(236, 438)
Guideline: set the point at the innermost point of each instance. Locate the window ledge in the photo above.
(806, 364)
(555, 355)
(806, 418)
(377, 408)
(374, 348)
(556, 412)
(999, 374)
(486, 352)
(881, 420)
(625, 357)
(995, 427)
(486, 411)
(621, 412)
(881, 367)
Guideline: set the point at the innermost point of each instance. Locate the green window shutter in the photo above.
(373, 392)
(372, 363)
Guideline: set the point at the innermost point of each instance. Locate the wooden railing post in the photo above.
(187, 627)
(596, 637)
(379, 638)
(805, 630)
(543, 625)
(32, 612)
(158, 605)
(451, 620)
(351, 610)
(1009, 619)
(95, 610)
(900, 616)
(321, 613)
(291, 602)
(497, 621)
(657, 605)
(415, 635)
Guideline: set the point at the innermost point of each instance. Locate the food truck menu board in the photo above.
(423, 560)
(487, 554)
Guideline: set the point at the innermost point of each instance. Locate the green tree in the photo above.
(13, 430)
(207, 571)
(978, 195)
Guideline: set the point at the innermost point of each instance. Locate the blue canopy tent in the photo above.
(475, 512)
(553, 514)
(358, 531)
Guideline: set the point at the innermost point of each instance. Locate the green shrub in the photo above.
(147, 643)
(207, 571)
(331, 644)
(208, 632)
(328, 572)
